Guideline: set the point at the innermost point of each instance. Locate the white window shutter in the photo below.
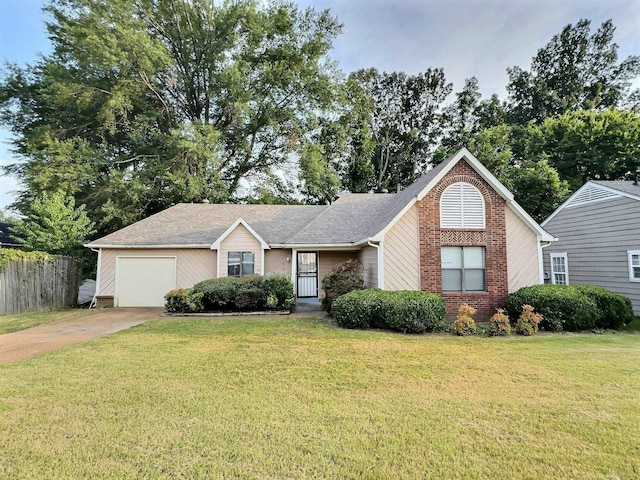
(462, 206)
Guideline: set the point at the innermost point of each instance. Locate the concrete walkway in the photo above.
(96, 323)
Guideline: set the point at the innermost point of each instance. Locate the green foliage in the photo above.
(183, 300)
(464, 324)
(528, 321)
(400, 311)
(343, 278)
(499, 324)
(615, 310)
(576, 70)
(147, 103)
(12, 255)
(279, 291)
(573, 307)
(251, 292)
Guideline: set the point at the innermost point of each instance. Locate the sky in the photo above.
(466, 38)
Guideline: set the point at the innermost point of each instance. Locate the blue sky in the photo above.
(465, 37)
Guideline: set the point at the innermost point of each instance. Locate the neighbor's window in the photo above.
(240, 263)
(462, 206)
(634, 265)
(559, 269)
(463, 269)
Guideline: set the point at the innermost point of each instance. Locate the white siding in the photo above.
(522, 253)
(402, 253)
(240, 240)
(596, 238)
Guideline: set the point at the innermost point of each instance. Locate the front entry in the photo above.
(307, 275)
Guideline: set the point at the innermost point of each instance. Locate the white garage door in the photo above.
(144, 281)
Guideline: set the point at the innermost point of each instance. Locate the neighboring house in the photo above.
(599, 232)
(455, 231)
(5, 237)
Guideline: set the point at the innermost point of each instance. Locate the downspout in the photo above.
(380, 248)
(94, 300)
(541, 261)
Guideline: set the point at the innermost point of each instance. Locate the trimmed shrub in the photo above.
(562, 306)
(499, 324)
(218, 293)
(279, 291)
(615, 310)
(464, 324)
(344, 278)
(183, 300)
(528, 321)
(573, 307)
(401, 311)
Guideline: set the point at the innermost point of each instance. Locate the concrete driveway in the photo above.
(96, 323)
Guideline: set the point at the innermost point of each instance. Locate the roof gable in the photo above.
(596, 191)
(227, 232)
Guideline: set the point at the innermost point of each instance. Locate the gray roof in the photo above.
(625, 186)
(352, 218)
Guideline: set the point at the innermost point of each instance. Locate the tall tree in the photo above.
(404, 121)
(144, 103)
(576, 70)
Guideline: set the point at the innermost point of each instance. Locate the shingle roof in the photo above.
(626, 186)
(5, 235)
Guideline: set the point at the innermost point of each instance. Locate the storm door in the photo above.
(307, 276)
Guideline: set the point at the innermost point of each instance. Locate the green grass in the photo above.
(283, 398)
(634, 325)
(13, 323)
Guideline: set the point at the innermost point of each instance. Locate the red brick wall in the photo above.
(493, 238)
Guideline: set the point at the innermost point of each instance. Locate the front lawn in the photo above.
(13, 323)
(272, 398)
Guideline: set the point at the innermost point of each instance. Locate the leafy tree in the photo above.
(144, 103)
(404, 121)
(55, 226)
(576, 70)
(588, 145)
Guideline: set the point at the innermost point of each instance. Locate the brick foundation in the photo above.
(493, 238)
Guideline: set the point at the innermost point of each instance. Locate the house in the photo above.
(599, 232)
(5, 237)
(456, 231)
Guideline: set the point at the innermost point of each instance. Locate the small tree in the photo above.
(54, 225)
(344, 278)
(464, 324)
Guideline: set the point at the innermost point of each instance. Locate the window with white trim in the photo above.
(463, 269)
(559, 268)
(240, 264)
(634, 265)
(462, 206)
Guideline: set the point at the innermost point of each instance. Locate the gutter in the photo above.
(94, 300)
(380, 248)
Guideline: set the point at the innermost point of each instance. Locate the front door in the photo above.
(307, 282)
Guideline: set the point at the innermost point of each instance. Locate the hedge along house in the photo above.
(456, 231)
(599, 231)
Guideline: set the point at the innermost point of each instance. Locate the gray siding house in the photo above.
(598, 229)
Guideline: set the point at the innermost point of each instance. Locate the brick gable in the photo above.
(493, 238)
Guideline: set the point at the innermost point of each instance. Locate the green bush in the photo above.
(572, 307)
(400, 311)
(183, 300)
(562, 306)
(615, 310)
(279, 291)
(344, 278)
(218, 293)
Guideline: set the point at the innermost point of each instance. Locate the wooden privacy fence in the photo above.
(31, 285)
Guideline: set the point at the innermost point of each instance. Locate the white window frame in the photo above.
(564, 256)
(462, 220)
(630, 255)
(464, 269)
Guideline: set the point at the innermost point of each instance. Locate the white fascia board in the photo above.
(378, 237)
(186, 245)
(543, 235)
(227, 232)
(477, 166)
(613, 190)
(320, 246)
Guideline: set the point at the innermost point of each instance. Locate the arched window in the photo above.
(461, 206)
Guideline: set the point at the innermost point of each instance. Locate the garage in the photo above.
(143, 281)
